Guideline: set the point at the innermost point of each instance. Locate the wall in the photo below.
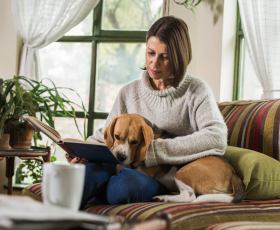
(10, 46)
(213, 44)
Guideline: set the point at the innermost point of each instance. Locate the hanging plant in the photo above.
(189, 4)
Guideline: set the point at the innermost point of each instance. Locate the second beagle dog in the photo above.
(208, 179)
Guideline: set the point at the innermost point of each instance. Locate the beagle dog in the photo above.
(208, 179)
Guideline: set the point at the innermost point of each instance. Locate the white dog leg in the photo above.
(186, 194)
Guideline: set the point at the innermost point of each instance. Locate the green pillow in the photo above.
(260, 173)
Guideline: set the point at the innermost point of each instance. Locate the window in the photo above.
(98, 57)
(246, 84)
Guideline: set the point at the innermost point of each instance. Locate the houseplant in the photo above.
(20, 97)
(189, 4)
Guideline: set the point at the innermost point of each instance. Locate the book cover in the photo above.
(93, 152)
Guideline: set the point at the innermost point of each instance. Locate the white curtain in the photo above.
(261, 26)
(41, 22)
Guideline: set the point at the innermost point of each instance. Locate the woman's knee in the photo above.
(131, 186)
(98, 172)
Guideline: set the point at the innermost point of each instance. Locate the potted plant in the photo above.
(20, 97)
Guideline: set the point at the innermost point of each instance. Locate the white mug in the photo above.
(63, 185)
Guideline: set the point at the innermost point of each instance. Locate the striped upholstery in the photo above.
(253, 125)
(34, 191)
(195, 216)
(245, 225)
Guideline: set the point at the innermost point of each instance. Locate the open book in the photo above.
(92, 151)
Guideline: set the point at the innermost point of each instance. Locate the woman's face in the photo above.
(157, 60)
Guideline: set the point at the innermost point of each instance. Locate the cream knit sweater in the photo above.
(190, 112)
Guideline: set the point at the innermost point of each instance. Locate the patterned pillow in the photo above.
(253, 125)
(34, 191)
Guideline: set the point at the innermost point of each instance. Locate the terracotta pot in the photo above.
(24, 139)
(4, 142)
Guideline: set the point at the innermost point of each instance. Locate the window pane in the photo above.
(68, 65)
(67, 129)
(83, 28)
(118, 64)
(98, 123)
(117, 15)
(252, 88)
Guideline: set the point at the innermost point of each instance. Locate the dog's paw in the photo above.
(158, 199)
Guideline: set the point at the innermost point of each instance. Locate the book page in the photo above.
(46, 129)
(71, 140)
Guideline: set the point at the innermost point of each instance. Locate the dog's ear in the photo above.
(109, 133)
(141, 151)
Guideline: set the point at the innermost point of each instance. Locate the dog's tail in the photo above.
(237, 195)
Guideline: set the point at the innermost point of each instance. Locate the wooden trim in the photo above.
(124, 34)
(237, 61)
(88, 39)
(75, 39)
(97, 19)
(92, 89)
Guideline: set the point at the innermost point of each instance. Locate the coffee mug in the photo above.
(63, 185)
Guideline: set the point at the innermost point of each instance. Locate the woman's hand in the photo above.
(75, 160)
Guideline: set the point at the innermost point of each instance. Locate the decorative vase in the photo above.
(24, 139)
(4, 142)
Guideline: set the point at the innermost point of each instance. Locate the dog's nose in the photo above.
(121, 157)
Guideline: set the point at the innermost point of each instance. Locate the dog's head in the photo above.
(128, 137)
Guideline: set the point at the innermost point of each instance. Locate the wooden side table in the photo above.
(25, 154)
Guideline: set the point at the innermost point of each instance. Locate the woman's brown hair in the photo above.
(174, 33)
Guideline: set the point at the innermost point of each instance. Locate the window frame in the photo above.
(239, 62)
(101, 36)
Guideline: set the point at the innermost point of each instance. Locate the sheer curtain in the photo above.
(261, 26)
(41, 22)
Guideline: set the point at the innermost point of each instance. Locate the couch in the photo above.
(253, 150)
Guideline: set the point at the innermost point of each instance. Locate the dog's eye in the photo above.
(134, 142)
(117, 137)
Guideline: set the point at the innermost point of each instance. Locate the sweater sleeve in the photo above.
(118, 109)
(209, 139)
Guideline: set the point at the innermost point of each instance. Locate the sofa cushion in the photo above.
(244, 225)
(34, 191)
(194, 215)
(253, 125)
(260, 173)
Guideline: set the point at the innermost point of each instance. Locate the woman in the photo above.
(173, 101)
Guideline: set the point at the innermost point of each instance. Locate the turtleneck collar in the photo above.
(165, 92)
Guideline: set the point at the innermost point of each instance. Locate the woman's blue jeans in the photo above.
(129, 186)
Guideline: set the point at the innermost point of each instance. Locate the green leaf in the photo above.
(21, 166)
(21, 177)
(53, 159)
(199, 1)
(193, 12)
